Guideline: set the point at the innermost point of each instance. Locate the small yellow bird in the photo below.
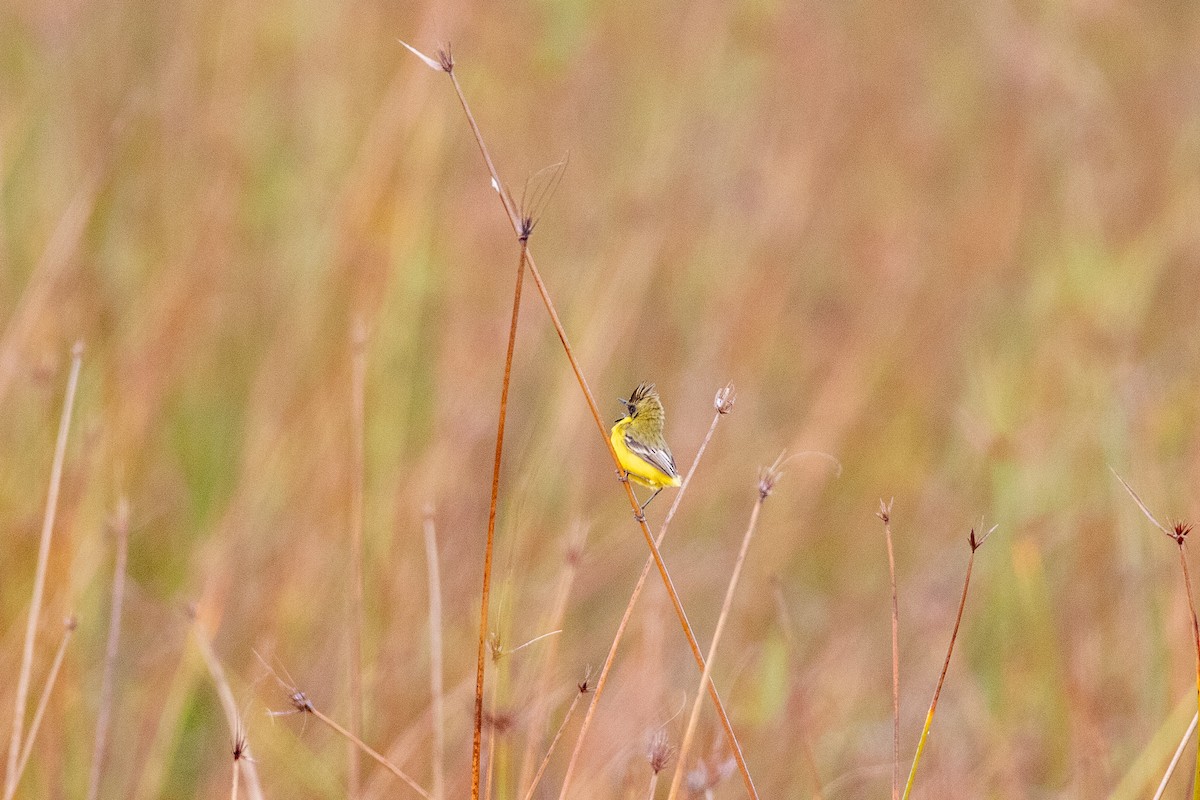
(638, 441)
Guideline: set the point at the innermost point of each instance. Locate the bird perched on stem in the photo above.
(638, 441)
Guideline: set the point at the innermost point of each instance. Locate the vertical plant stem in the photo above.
(237, 772)
(447, 65)
(912, 773)
(602, 681)
(540, 706)
(358, 380)
(228, 705)
(436, 680)
(885, 514)
(1187, 585)
(493, 729)
(554, 742)
(52, 677)
(104, 715)
(39, 580)
(766, 484)
(485, 591)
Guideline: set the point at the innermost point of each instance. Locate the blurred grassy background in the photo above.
(953, 245)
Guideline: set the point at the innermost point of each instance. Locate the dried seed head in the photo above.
(300, 702)
(885, 510)
(446, 58)
(660, 751)
(239, 746)
(724, 400)
(1180, 530)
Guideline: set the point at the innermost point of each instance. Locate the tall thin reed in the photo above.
(723, 404)
(540, 706)
(303, 705)
(885, 514)
(445, 62)
(975, 544)
(541, 770)
(229, 707)
(766, 484)
(1178, 533)
(1181, 531)
(436, 668)
(69, 626)
(39, 580)
(485, 591)
(358, 380)
(104, 715)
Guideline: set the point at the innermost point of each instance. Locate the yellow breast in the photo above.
(640, 470)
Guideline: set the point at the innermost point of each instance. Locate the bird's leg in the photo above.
(643, 506)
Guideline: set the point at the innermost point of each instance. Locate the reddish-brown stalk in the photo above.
(975, 545)
(766, 484)
(446, 63)
(885, 514)
(491, 529)
(358, 379)
(39, 580)
(723, 403)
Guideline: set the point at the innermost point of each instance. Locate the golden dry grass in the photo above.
(954, 246)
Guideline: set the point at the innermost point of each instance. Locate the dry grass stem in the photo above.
(1178, 533)
(486, 587)
(302, 704)
(635, 506)
(358, 380)
(1181, 532)
(537, 777)
(39, 580)
(1166, 531)
(723, 403)
(540, 707)
(104, 715)
(766, 484)
(1162, 786)
(975, 544)
(229, 706)
(885, 514)
(448, 66)
(68, 629)
(239, 753)
(436, 668)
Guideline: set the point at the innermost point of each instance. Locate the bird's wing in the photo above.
(658, 455)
